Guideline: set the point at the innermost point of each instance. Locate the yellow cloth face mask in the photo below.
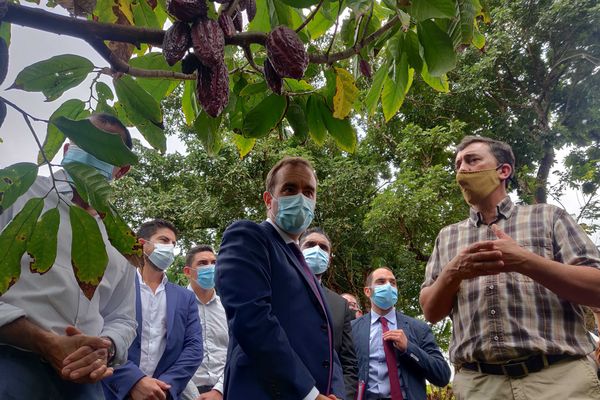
(477, 185)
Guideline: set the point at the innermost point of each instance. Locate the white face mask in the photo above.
(163, 255)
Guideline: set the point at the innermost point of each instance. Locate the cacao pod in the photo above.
(208, 41)
(189, 64)
(365, 68)
(238, 21)
(176, 42)
(226, 24)
(250, 7)
(286, 52)
(3, 59)
(212, 88)
(272, 77)
(187, 10)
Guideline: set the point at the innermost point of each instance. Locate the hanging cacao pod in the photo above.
(250, 7)
(226, 24)
(212, 88)
(272, 77)
(286, 52)
(208, 42)
(3, 59)
(176, 42)
(365, 68)
(187, 10)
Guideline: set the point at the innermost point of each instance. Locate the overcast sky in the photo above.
(29, 46)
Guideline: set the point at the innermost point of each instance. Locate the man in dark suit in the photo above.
(396, 353)
(280, 344)
(168, 347)
(316, 248)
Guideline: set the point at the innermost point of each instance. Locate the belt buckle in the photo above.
(515, 370)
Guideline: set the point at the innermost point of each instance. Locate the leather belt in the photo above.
(519, 369)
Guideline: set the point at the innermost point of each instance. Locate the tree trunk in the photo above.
(541, 191)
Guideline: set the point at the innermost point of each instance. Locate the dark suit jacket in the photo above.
(279, 345)
(422, 359)
(183, 352)
(341, 316)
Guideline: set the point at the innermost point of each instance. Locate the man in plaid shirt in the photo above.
(512, 278)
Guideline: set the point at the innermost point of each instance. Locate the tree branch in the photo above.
(310, 16)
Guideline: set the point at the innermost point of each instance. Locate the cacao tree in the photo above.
(246, 70)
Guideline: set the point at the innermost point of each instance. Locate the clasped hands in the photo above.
(489, 257)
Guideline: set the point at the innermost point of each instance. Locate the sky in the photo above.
(30, 45)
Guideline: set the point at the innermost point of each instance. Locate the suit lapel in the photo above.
(137, 349)
(171, 308)
(364, 331)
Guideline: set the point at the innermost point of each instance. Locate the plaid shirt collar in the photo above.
(504, 209)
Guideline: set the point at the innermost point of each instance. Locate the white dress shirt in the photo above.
(215, 339)
(154, 325)
(54, 300)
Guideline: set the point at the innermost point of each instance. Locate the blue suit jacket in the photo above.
(279, 346)
(421, 360)
(183, 352)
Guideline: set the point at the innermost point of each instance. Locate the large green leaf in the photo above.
(341, 130)
(412, 49)
(153, 133)
(104, 11)
(323, 20)
(73, 109)
(243, 144)
(425, 9)
(88, 254)
(437, 48)
(254, 88)
(261, 22)
(105, 146)
(299, 3)
(373, 95)
(395, 88)
(122, 237)
(143, 15)
(53, 76)
(439, 83)
(346, 93)
(259, 121)
(296, 117)
(157, 88)
(92, 186)
(14, 181)
(188, 102)
(42, 245)
(207, 130)
(136, 100)
(13, 242)
(316, 126)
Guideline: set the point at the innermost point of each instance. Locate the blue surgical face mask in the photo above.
(206, 276)
(75, 154)
(317, 259)
(294, 213)
(384, 296)
(163, 255)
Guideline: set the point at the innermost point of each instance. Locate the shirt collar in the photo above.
(286, 238)
(213, 298)
(162, 283)
(504, 209)
(390, 316)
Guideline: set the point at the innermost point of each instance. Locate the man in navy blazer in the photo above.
(411, 352)
(168, 347)
(280, 344)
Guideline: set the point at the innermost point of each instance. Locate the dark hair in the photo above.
(369, 280)
(270, 182)
(108, 119)
(501, 150)
(149, 228)
(195, 250)
(315, 229)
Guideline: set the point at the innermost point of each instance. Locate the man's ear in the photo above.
(267, 198)
(122, 171)
(65, 147)
(367, 291)
(505, 171)
(187, 271)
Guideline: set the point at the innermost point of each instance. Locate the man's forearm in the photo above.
(25, 334)
(437, 300)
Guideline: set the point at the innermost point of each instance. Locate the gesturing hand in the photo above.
(513, 255)
(478, 259)
(398, 338)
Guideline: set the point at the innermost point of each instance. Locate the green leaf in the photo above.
(88, 254)
(412, 49)
(13, 242)
(439, 83)
(91, 185)
(73, 109)
(157, 88)
(323, 20)
(254, 88)
(375, 91)
(105, 146)
(122, 237)
(425, 9)
(15, 180)
(207, 130)
(341, 131)
(243, 144)
(104, 92)
(153, 133)
(438, 50)
(259, 121)
(54, 76)
(299, 3)
(316, 126)
(345, 94)
(295, 85)
(5, 32)
(136, 100)
(104, 11)
(395, 88)
(188, 102)
(143, 15)
(297, 119)
(42, 245)
(261, 22)
(468, 9)
(478, 38)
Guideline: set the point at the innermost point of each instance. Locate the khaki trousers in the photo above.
(561, 381)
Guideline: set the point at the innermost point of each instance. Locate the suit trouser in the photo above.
(574, 379)
(24, 375)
